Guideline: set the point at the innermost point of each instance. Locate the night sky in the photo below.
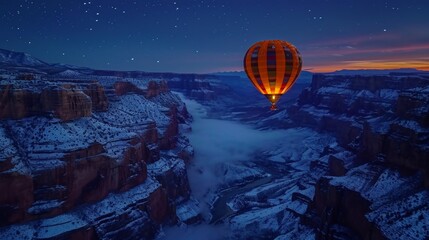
(208, 36)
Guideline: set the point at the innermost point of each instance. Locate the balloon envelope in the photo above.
(273, 67)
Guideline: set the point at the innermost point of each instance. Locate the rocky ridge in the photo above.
(376, 186)
(79, 153)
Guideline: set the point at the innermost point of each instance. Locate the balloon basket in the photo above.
(273, 107)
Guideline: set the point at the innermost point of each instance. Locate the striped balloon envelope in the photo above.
(273, 67)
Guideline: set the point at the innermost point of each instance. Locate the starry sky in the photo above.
(204, 36)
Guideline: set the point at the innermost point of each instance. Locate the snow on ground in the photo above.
(165, 164)
(113, 205)
(397, 213)
(404, 218)
(53, 227)
(69, 73)
(298, 144)
(188, 210)
(374, 182)
(260, 220)
(8, 150)
(134, 112)
(118, 202)
(335, 90)
(45, 140)
(389, 94)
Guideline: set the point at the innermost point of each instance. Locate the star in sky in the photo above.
(213, 35)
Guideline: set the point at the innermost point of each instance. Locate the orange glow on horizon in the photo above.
(370, 64)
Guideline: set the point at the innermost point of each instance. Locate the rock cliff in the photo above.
(66, 102)
(88, 159)
(382, 121)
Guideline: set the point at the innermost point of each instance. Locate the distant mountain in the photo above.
(24, 62)
(69, 73)
(68, 66)
(19, 59)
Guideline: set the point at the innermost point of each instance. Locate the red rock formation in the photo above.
(90, 175)
(122, 88)
(151, 147)
(169, 138)
(66, 103)
(173, 177)
(16, 196)
(197, 88)
(336, 204)
(401, 145)
(413, 105)
(157, 206)
(17, 104)
(133, 170)
(87, 176)
(344, 129)
(99, 100)
(156, 88)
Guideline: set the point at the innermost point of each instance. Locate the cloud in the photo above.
(218, 144)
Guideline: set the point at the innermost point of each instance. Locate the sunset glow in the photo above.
(370, 64)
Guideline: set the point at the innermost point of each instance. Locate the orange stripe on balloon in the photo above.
(248, 68)
(262, 65)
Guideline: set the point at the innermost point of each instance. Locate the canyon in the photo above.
(91, 154)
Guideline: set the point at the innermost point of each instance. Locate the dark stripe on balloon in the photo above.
(288, 66)
(271, 66)
(280, 65)
(295, 69)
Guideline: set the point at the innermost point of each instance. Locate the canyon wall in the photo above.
(87, 159)
(380, 193)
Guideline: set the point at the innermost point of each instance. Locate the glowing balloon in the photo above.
(273, 67)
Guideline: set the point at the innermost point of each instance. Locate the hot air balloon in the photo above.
(273, 67)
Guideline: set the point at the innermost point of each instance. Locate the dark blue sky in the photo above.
(206, 35)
